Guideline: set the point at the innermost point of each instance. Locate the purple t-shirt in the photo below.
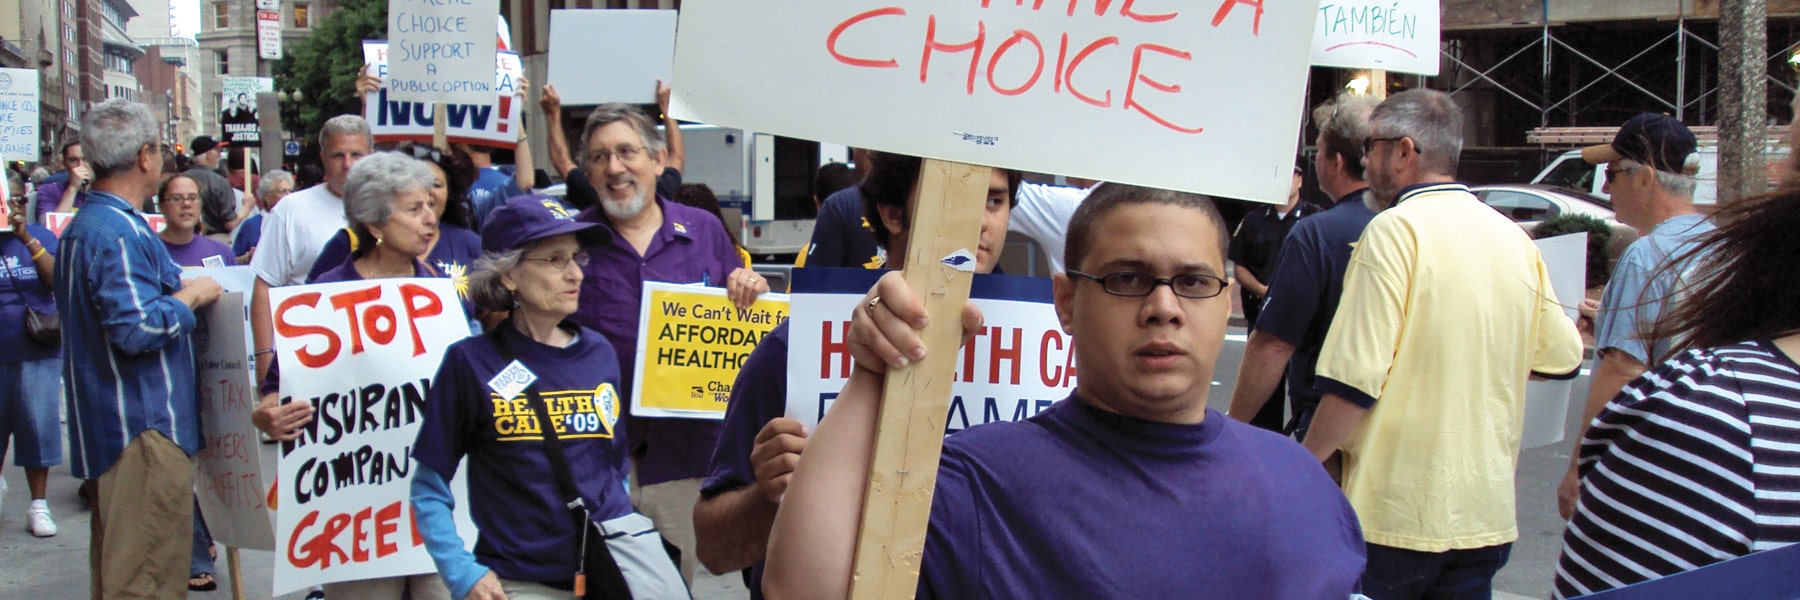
(514, 497)
(759, 395)
(691, 247)
(21, 286)
(194, 254)
(1077, 502)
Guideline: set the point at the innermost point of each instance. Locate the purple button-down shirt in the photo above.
(691, 247)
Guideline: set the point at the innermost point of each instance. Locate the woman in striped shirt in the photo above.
(1698, 461)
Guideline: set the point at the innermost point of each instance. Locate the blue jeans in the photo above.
(201, 560)
(29, 393)
(1400, 574)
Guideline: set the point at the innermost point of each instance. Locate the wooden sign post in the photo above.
(946, 210)
(438, 127)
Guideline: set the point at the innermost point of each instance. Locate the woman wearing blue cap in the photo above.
(550, 502)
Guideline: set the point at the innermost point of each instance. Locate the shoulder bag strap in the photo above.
(596, 558)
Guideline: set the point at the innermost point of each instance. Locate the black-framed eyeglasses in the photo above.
(182, 199)
(1134, 284)
(1369, 144)
(560, 262)
(1614, 173)
(626, 154)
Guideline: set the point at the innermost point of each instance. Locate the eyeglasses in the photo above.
(1613, 174)
(1369, 144)
(1132, 284)
(626, 154)
(560, 262)
(182, 199)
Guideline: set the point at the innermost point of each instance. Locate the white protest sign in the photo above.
(237, 109)
(639, 46)
(441, 50)
(1547, 402)
(363, 353)
(1196, 96)
(493, 122)
(57, 221)
(231, 482)
(19, 113)
(6, 205)
(1397, 35)
(1017, 366)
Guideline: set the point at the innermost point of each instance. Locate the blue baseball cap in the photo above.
(529, 218)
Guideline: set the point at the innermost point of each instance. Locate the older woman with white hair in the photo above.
(387, 201)
(550, 502)
(274, 186)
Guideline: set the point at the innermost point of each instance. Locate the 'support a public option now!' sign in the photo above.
(493, 122)
(691, 342)
(1019, 364)
(1396, 35)
(1199, 96)
(363, 353)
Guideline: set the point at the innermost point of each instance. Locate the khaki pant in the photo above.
(142, 528)
(670, 505)
(422, 587)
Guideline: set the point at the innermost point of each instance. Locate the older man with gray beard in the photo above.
(652, 239)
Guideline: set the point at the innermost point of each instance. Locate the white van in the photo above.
(1568, 170)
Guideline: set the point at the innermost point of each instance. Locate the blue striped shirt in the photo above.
(128, 360)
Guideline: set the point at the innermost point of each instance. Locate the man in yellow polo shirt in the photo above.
(1447, 311)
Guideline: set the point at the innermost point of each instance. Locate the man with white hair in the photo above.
(650, 238)
(1652, 191)
(128, 363)
(296, 230)
(1447, 310)
(274, 186)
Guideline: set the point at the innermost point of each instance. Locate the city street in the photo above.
(56, 567)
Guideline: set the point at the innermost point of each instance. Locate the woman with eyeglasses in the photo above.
(29, 368)
(179, 201)
(456, 246)
(531, 541)
(387, 200)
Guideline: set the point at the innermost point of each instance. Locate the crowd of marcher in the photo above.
(1370, 446)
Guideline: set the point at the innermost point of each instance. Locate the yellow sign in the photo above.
(691, 342)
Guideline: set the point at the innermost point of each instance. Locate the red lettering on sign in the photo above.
(973, 46)
(1099, 7)
(1017, 36)
(433, 306)
(347, 302)
(829, 348)
(320, 548)
(832, 40)
(1136, 16)
(286, 329)
(1225, 11)
(357, 553)
(998, 352)
(1069, 78)
(1137, 61)
(1049, 377)
(385, 526)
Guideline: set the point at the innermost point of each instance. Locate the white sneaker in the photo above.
(41, 524)
(2, 495)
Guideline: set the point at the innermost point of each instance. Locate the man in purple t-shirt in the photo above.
(651, 239)
(1130, 489)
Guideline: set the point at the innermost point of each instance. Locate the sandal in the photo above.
(206, 582)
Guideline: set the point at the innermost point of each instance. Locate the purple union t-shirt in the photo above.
(195, 253)
(1077, 502)
(691, 247)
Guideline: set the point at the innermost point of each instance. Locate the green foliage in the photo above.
(324, 66)
(1599, 233)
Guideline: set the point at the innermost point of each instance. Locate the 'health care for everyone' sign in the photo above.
(693, 341)
(231, 482)
(363, 353)
(1396, 35)
(491, 122)
(1201, 96)
(441, 50)
(1019, 364)
(19, 114)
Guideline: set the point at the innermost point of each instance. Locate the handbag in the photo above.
(45, 328)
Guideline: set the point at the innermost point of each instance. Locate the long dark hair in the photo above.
(699, 195)
(459, 174)
(1745, 287)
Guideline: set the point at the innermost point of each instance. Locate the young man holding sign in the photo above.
(1131, 488)
(759, 448)
(649, 238)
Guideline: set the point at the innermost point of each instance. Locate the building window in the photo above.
(224, 63)
(302, 16)
(221, 15)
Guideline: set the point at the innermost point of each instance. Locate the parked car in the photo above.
(1529, 205)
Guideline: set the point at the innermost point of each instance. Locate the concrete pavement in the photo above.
(56, 568)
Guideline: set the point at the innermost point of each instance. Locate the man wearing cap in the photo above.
(1254, 248)
(1652, 190)
(218, 205)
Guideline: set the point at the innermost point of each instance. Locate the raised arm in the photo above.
(524, 172)
(671, 128)
(553, 131)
